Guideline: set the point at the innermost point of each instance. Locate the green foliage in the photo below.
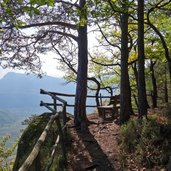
(30, 120)
(30, 9)
(82, 13)
(42, 2)
(6, 154)
(167, 113)
(144, 142)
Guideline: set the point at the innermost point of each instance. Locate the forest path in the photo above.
(98, 150)
(95, 150)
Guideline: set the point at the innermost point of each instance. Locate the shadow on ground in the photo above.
(86, 153)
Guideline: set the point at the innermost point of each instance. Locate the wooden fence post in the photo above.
(64, 120)
(61, 139)
(55, 104)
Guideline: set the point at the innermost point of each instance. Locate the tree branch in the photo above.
(102, 64)
(156, 30)
(114, 45)
(64, 60)
(64, 34)
(68, 25)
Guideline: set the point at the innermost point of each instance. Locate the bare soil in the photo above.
(97, 149)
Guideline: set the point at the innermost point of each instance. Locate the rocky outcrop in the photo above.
(30, 137)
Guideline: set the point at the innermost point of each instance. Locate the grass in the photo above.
(146, 143)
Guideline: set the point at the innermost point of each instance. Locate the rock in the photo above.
(30, 137)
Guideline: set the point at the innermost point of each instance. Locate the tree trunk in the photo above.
(134, 67)
(169, 65)
(131, 112)
(166, 98)
(165, 92)
(97, 90)
(166, 49)
(124, 86)
(154, 84)
(81, 88)
(142, 98)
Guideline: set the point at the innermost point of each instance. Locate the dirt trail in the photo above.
(95, 150)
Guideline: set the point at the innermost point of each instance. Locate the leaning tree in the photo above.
(158, 18)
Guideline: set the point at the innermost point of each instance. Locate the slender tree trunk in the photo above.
(154, 84)
(166, 98)
(169, 65)
(134, 67)
(81, 89)
(167, 54)
(98, 89)
(142, 98)
(124, 88)
(131, 112)
(165, 92)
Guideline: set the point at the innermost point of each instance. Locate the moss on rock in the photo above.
(30, 137)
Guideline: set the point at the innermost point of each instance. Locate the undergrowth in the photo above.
(145, 142)
(6, 154)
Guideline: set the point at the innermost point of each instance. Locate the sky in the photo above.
(50, 65)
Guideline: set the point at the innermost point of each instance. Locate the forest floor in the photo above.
(97, 149)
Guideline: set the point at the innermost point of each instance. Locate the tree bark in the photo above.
(166, 98)
(134, 67)
(131, 112)
(81, 88)
(142, 98)
(124, 86)
(169, 65)
(154, 84)
(97, 90)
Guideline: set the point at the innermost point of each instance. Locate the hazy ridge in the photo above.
(20, 97)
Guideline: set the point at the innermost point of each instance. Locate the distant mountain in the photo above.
(10, 123)
(20, 97)
(20, 91)
(6, 118)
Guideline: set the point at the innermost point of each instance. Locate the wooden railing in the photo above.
(28, 163)
(73, 95)
(56, 117)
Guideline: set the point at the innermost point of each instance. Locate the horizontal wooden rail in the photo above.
(70, 95)
(47, 106)
(68, 105)
(52, 95)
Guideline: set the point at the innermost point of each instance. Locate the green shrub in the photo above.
(167, 113)
(144, 142)
(6, 154)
